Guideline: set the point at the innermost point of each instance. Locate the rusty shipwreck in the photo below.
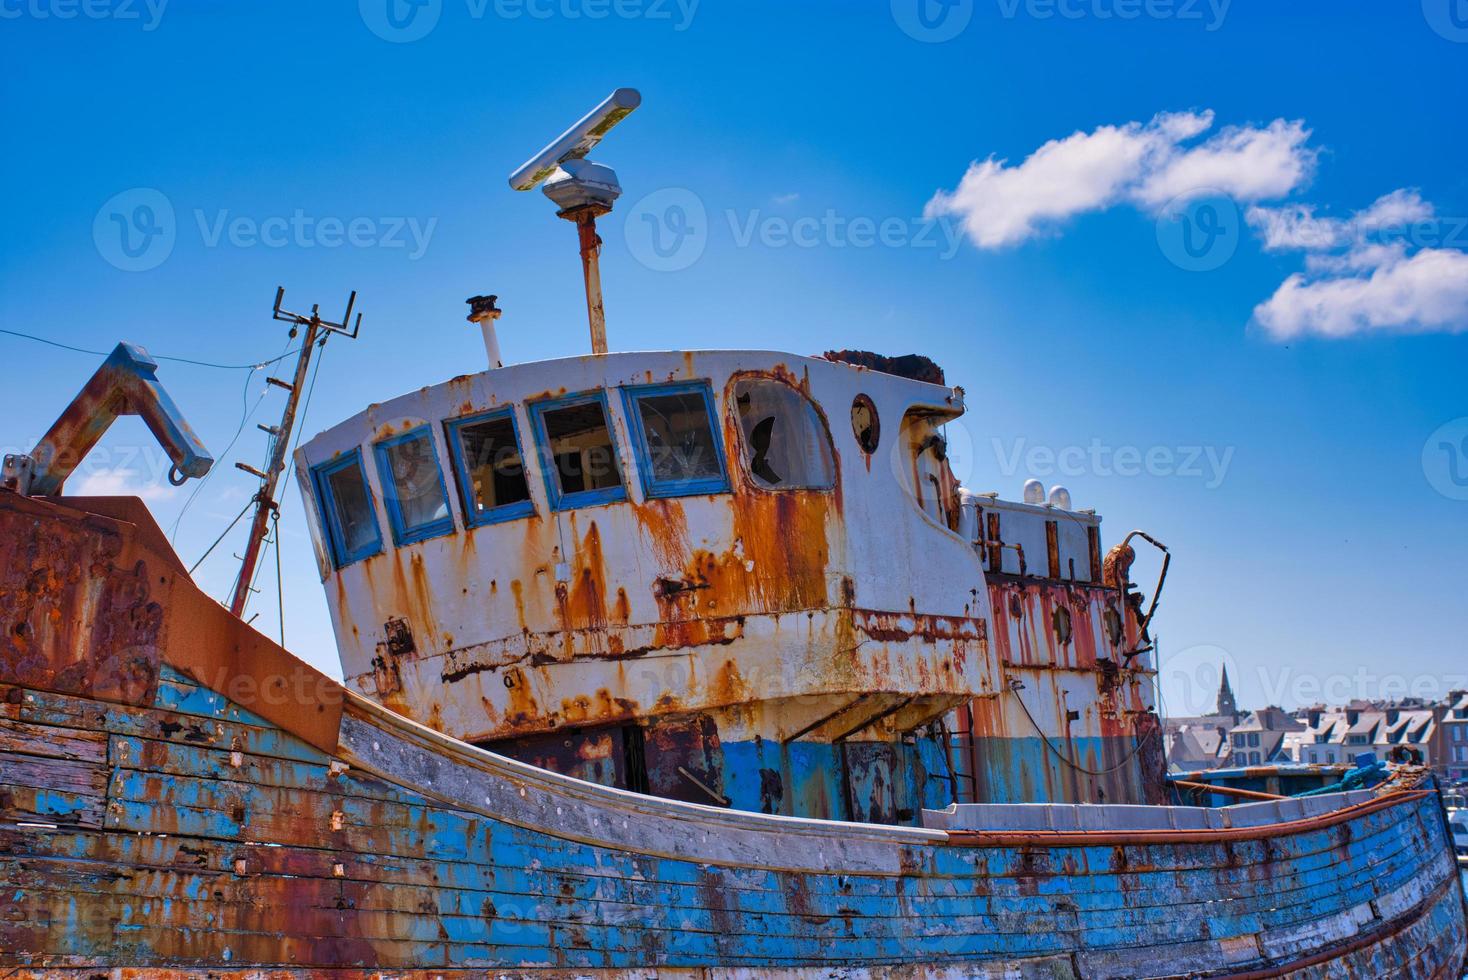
(684, 663)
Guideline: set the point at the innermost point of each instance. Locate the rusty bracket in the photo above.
(125, 384)
(17, 473)
(1146, 620)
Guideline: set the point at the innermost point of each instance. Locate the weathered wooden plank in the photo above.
(155, 921)
(50, 742)
(1265, 895)
(169, 758)
(178, 694)
(740, 904)
(724, 960)
(25, 804)
(300, 903)
(197, 807)
(570, 907)
(62, 711)
(60, 774)
(505, 881)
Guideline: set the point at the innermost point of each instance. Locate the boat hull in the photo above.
(208, 812)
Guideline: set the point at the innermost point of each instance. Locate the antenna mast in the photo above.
(317, 331)
(583, 191)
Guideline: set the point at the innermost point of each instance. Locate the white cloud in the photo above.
(118, 483)
(1295, 226)
(1395, 211)
(1246, 163)
(1363, 273)
(1145, 165)
(1425, 292)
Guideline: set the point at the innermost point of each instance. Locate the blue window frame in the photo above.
(489, 467)
(675, 433)
(412, 487)
(347, 509)
(578, 454)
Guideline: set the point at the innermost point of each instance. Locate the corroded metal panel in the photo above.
(94, 603)
(77, 605)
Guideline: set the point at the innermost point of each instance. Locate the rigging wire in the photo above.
(247, 412)
(157, 357)
(211, 548)
(279, 578)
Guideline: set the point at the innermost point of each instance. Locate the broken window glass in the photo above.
(417, 501)
(490, 468)
(785, 442)
(681, 447)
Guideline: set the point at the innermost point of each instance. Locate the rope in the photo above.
(1072, 763)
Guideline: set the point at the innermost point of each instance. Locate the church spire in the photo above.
(1226, 703)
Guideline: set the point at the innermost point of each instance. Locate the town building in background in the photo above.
(1202, 741)
(1452, 744)
(1430, 733)
(1259, 740)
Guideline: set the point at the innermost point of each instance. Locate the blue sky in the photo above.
(804, 165)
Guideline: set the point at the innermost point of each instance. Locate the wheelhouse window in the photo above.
(489, 468)
(677, 437)
(417, 503)
(346, 509)
(580, 457)
(786, 446)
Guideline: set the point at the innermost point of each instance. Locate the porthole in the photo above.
(865, 424)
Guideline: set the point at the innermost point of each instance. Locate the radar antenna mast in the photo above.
(583, 191)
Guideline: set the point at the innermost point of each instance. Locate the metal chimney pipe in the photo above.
(482, 310)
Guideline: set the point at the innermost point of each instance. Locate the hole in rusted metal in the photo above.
(399, 635)
(865, 424)
(1062, 625)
